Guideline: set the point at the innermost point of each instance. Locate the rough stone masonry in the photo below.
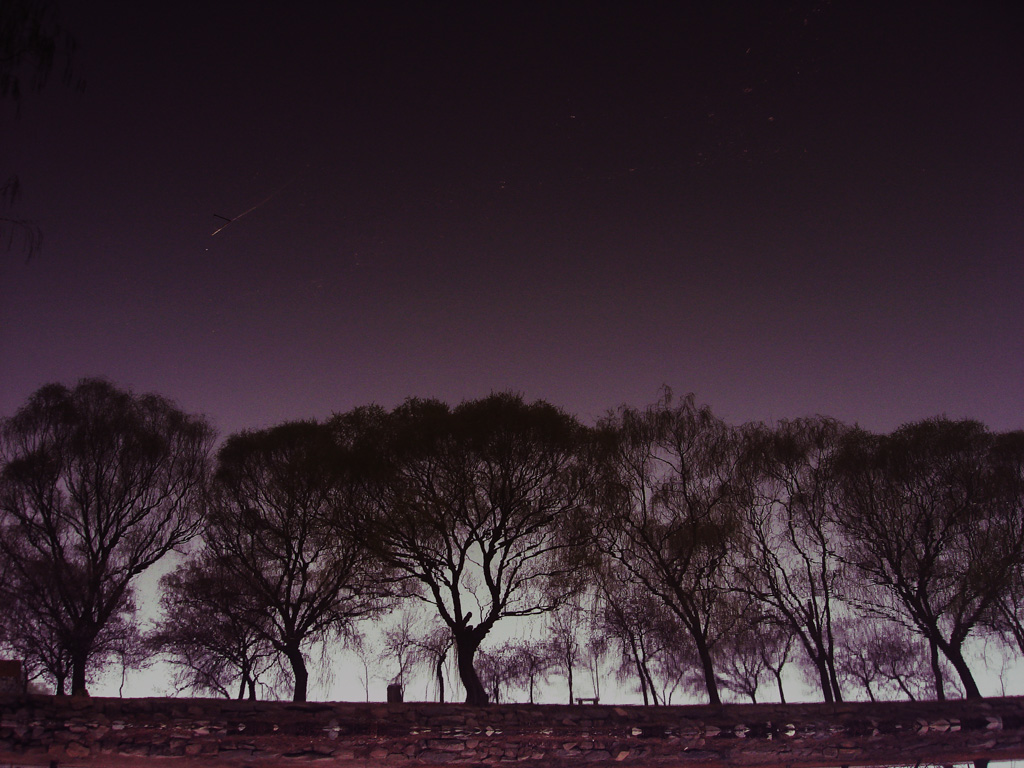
(43, 730)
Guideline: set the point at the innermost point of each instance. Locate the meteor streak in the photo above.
(229, 222)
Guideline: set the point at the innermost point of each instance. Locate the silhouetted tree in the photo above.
(567, 626)
(1007, 460)
(31, 636)
(497, 670)
(1007, 615)
(594, 652)
(788, 550)
(670, 515)
(930, 530)
(36, 638)
(399, 646)
(130, 651)
(284, 522)
(775, 649)
(629, 622)
(213, 629)
(97, 485)
(531, 663)
(884, 659)
(366, 653)
(757, 649)
(480, 505)
(431, 648)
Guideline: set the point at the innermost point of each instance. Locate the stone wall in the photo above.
(43, 730)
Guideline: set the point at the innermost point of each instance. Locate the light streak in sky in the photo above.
(229, 222)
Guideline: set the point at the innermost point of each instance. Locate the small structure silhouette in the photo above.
(11, 678)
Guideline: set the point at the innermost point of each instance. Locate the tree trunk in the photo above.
(778, 682)
(248, 684)
(570, 683)
(439, 671)
(837, 692)
(298, 662)
(823, 678)
(956, 658)
(829, 655)
(465, 649)
(709, 672)
(639, 669)
(650, 682)
(78, 660)
(814, 645)
(643, 680)
(940, 689)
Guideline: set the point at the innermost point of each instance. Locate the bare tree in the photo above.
(480, 505)
(675, 667)
(932, 531)
(788, 550)
(34, 637)
(497, 670)
(594, 652)
(757, 650)
(670, 513)
(367, 656)
(97, 485)
(284, 524)
(213, 630)
(567, 626)
(1006, 617)
(431, 647)
(130, 651)
(531, 663)
(399, 646)
(884, 659)
(632, 625)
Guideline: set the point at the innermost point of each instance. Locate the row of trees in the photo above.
(696, 553)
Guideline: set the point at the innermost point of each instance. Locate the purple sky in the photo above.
(786, 208)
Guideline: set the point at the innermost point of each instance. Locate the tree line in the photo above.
(679, 551)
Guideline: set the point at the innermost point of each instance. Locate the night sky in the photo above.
(786, 208)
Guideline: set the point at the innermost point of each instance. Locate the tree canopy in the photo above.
(283, 523)
(480, 505)
(931, 529)
(682, 553)
(97, 485)
(668, 514)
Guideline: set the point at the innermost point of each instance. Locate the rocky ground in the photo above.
(41, 730)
